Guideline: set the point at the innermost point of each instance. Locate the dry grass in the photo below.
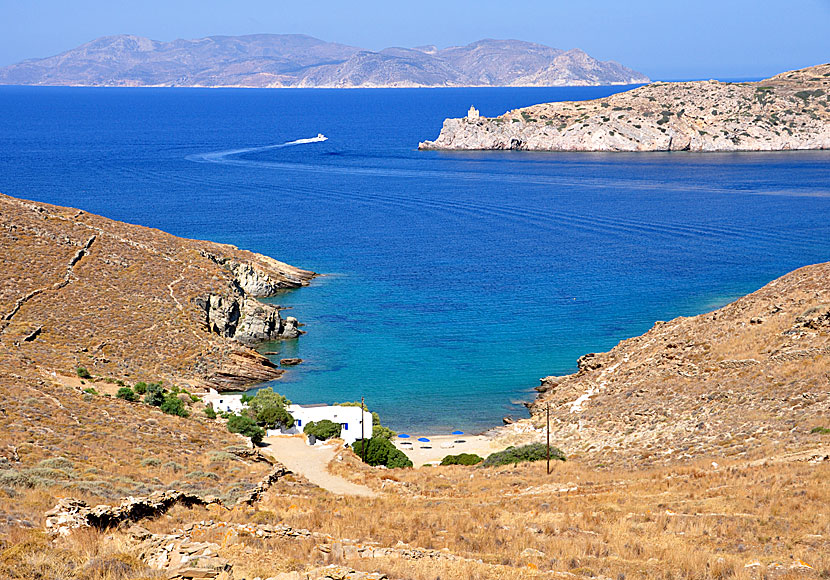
(690, 522)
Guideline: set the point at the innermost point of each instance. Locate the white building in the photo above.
(348, 417)
(472, 114)
(223, 402)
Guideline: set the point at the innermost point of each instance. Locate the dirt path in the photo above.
(312, 463)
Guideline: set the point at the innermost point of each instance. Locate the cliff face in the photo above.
(134, 303)
(737, 382)
(788, 111)
(293, 60)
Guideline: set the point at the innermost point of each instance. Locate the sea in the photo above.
(450, 282)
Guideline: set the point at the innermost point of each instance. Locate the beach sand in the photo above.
(440, 446)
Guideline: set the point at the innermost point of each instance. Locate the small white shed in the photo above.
(223, 402)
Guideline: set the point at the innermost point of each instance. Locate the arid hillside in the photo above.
(788, 111)
(133, 303)
(751, 379)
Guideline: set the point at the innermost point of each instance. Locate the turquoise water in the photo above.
(453, 281)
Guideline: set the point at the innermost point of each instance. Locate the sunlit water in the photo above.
(453, 281)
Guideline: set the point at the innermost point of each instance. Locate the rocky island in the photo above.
(788, 111)
(296, 60)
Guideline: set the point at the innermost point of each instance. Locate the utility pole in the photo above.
(548, 432)
(362, 432)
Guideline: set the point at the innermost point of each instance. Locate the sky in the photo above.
(674, 39)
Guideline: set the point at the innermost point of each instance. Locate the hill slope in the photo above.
(134, 303)
(788, 111)
(293, 60)
(749, 378)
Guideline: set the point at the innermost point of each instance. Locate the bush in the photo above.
(247, 427)
(820, 430)
(90, 391)
(127, 394)
(379, 451)
(155, 395)
(273, 417)
(209, 412)
(514, 455)
(323, 430)
(83, 373)
(462, 459)
(140, 388)
(150, 462)
(173, 405)
(57, 463)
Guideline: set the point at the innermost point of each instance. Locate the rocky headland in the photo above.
(786, 112)
(738, 382)
(133, 303)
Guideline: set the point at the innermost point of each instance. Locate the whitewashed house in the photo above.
(223, 402)
(348, 417)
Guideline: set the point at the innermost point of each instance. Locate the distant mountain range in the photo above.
(293, 60)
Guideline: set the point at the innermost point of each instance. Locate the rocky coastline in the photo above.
(133, 303)
(749, 376)
(789, 111)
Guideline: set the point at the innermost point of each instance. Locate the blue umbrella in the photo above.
(403, 436)
(458, 432)
(424, 439)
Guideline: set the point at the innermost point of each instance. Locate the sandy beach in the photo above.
(439, 446)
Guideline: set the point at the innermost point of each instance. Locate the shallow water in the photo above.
(453, 280)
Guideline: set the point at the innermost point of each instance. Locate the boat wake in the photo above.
(225, 156)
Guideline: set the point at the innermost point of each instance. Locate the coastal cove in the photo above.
(452, 281)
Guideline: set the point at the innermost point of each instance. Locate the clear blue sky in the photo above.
(666, 40)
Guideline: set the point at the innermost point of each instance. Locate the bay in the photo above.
(452, 281)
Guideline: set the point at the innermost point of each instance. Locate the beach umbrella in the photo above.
(424, 439)
(458, 432)
(403, 436)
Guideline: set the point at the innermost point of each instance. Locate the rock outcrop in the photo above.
(134, 303)
(788, 111)
(71, 514)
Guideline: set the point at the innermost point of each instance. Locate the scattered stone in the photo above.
(289, 362)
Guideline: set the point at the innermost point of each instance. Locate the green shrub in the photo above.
(381, 452)
(247, 427)
(273, 417)
(820, 430)
(127, 394)
(154, 395)
(514, 455)
(150, 462)
(462, 459)
(173, 466)
(172, 405)
(140, 388)
(209, 412)
(323, 430)
(90, 391)
(83, 373)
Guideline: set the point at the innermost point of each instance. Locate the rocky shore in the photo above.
(133, 303)
(786, 112)
(735, 382)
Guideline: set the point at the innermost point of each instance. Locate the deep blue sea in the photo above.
(453, 281)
